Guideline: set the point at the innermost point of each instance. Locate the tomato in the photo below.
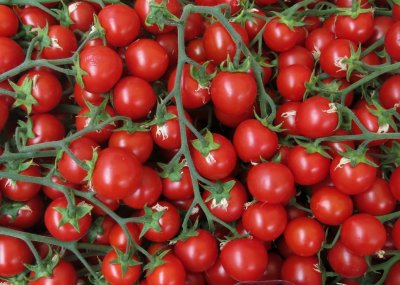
(301, 270)
(35, 17)
(380, 28)
(197, 253)
(193, 95)
(393, 276)
(14, 253)
(81, 14)
(7, 100)
(304, 236)
(113, 273)
(20, 190)
(392, 45)
(233, 121)
(46, 128)
(358, 29)
(286, 115)
(110, 203)
(253, 141)
(169, 41)
(336, 85)
(218, 163)
(195, 279)
(117, 173)
(142, 8)
(317, 117)
(231, 206)
(63, 273)
(330, 206)
(254, 24)
(169, 222)
(195, 50)
(317, 40)
(178, 188)
(218, 44)
(216, 275)
(172, 272)
(63, 43)
(65, 232)
(11, 56)
(291, 81)
(297, 55)
(9, 24)
(363, 234)
(244, 259)
(265, 221)
(352, 180)
(346, 263)
(103, 67)
(140, 143)
(394, 183)
(81, 96)
(118, 238)
(389, 94)
(279, 37)
(148, 192)
(147, 59)
(333, 56)
(83, 118)
(396, 12)
(377, 200)
(273, 271)
(233, 92)
(271, 182)
(102, 235)
(194, 26)
(53, 193)
(83, 149)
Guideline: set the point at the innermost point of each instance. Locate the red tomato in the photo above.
(7, 100)
(172, 272)
(291, 81)
(393, 276)
(169, 41)
(82, 96)
(9, 22)
(46, 128)
(380, 28)
(195, 50)
(14, 254)
(254, 24)
(358, 29)
(216, 275)
(244, 259)
(140, 143)
(63, 43)
(286, 115)
(117, 173)
(279, 37)
(118, 238)
(392, 45)
(333, 56)
(301, 270)
(271, 182)
(194, 26)
(178, 188)
(113, 273)
(11, 54)
(394, 183)
(81, 14)
(4, 114)
(63, 273)
(317, 40)
(296, 55)
(389, 94)
(35, 17)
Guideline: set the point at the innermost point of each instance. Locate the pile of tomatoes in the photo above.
(210, 142)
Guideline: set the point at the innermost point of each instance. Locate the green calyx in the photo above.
(47, 265)
(312, 148)
(355, 157)
(25, 130)
(206, 145)
(160, 15)
(187, 233)
(24, 93)
(151, 218)
(200, 74)
(220, 193)
(229, 66)
(125, 260)
(96, 229)
(354, 11)
(156, 262)
(63, 15)
(172, 172)
(80, 210)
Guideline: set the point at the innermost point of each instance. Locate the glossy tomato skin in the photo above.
(279, 37)
(317, 40)
(181, 189)
(66, 232)
(244, 259)
(169, 41)
(291, 81)
(195, 50)
(363, 234)
(147, 59)
(81, 14)
(11, 55)
(118, 238)
(393, 276)
(346, 263)
(233, 92)
(301, 270)
(394, 183)
(254, 24)
(296, 55)
(286, 115)
(331, 59)
(139, 143)
(218, 44)
(357, 29)
(172, 272)
(83, 149)
(197, 253)
(113, 272)
(392, 45)
(219, 163)
(330, 206)
(216, 275)
(389, 94)
(265, 221)
(13, 254)
(271, 182)
(9, 24)
(46, 128)
(35, 17)
(63, 43)
(63, 273)
(121, 24)
(103, 67)
(117, 173)
(194, 26)
(81, 96)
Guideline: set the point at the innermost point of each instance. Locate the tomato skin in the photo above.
(66, 232)
(113, 272)
(345, 263)
(81, 96)
(9, 22)
(233, 121)
(357, 29)
(381, 26)
(63, 43)
(194, 26)
(219, 163)
(393, 276)
(352, 180)
(172, 272)
(121, 24)
(233, 92)
(169, 41)
(46, 128)
(392, 46)
(389, 94)
(279, 37)
(83, 149)
(394, 183)
(286, 115)
(265, 221)
(333, 54)
(291, 81)
(35, 17)
(271, 182)
(13, 254)
(296, 55)
(317, 40)
(216, 275)
(63, 273)
(363, 234)
(197, 253)
(181, 189)
(103, 67)
(218, 44)
(254, 141)
(81, 13)
(147, 59)
(118, 238)
(300, 270)
(117, 173)
(244, 259)
(195, 50)
(139, 143)
(330, 206)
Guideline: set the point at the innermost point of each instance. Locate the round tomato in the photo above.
(81, 13)
(171, 272)
(14, 254)
(112, 271)
(216, 275)
(118, 238)
(358, 29)
(63, 273)
(317, 40)
(279, 37)
(169, 41)
(301, 270)
(286, 115)
(297, 55)
(35, 17)
(9, 24)
(11, 54)
(392, 44)
(46, 128)
(389, 94)
(63, 43)
(291, 81)
(393, 276)
(394, 183)
(178, 189)
(81, 96)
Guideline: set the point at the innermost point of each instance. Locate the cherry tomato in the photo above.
(113, 273)
(389, 94)
(392, 46)
(118, 238)
(291, 81)
(216, 275)
(81, 14)
(178, 189)
(333, 56)
(358, 29)
(46, 128)
(9, 24)
(279, 37)
(317, 40)
(140, 143)
(14, 254)
(82, 96)
(301, 270)
(296, 55)
(286, 115)
(35, 17)
(63, 273)
(394, 183)
(393, 276)
(11, 55)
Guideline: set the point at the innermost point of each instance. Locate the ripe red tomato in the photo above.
(279, 37)
(63, 273)
(172, 272)
(317, 40)
(358, 29)
(389, 94)
(216, 275)
(195, 50)
(169, 41)
(11, 54)
(113, 273)
(296, 55)
(194, 26)
(392, 46)
(197, 253)
(393, 276)
(9, 24)
(81, 14)
(35, 17)
(140, 143)
(254, 24)
(117, 173)
(333, 56)
(301, 270)
(291, 81)
(63, 43)
(394, 183)
(14, 254)
(178, 189)
(271, 182)
(118, 238)
(81, 96)
(286, 115)
(363, 234)
(46, 128)
(244, 259)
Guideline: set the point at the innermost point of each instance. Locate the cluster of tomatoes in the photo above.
(208, 142)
